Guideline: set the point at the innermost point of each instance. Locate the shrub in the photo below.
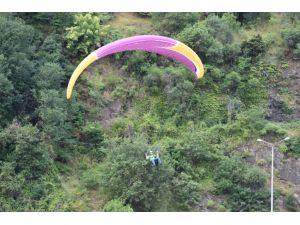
(252, 17)
(129, 177)
(247, 200)
(244, 186)
(116, 206)
(294, 146)
(212, 39)
(254, 47)
(290, 203)
(83, 36)
(173, 22)
(291, 36)
(91, 178)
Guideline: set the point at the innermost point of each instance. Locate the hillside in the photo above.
(87, 153)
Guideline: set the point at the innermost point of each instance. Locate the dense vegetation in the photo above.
(83, 155)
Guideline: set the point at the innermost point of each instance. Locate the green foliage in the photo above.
(17, 45)
(253, 90)
(116, 206)
(16, 37)
(108, 34)
(272, 130)
(46, 21)
(294, 146)
(54, 116)
(254, 47)
(57, 121)
(51, 50)
(92, 134)
(105, 17)
(174, 22)
(212, 39)
(185, 191)
(83, 36)
(291, 35)
(49, 76)
(290, 203)
(244, 186)
(247, 200)
(197, 125)
(252, 17)
(26, 169)
(131, 178)
(232, 82)
(90, 178)
(144, 14)
(6, 95)
(181, 99)
(138, 63)
(92, 137)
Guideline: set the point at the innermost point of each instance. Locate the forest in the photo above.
(88, 153)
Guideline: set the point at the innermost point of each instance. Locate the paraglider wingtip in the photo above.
(68, 96)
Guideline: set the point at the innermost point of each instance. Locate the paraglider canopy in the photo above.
(150, 43)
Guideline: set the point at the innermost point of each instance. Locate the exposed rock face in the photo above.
(290, 170)
(275, 111)
(110, 112)
(291, 79)
(286, 168)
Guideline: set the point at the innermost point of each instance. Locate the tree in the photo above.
(17, 46)
(244, 186)
(173, 22)
(252, 17)
(6, 94)
(291, 35)
(290, 203)
(254, 47)
(128, 176)
(51, 50)
(232, 81)
(49, 76)
(212, 38)
(45, 21)
(83, 36)
(58, 120)
(27, 173)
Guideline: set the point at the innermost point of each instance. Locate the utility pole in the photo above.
(272, 145)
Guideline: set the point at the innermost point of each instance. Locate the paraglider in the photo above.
(154, 159)
(149, 43)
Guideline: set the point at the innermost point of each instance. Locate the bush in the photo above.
(83, 36)
(212, 39)
(6, 98)
(144, 14)
(294, 146)
(173, 22)
(129, 177)
(105, 16)
(185, 191)
(91, 178)
(273, 130)
(244, 186)
(116, 206)
(92, 135)
(291, 36)
(247, 200)
(290, 203)
(254, 47)
(108, 34)
(252, 17)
